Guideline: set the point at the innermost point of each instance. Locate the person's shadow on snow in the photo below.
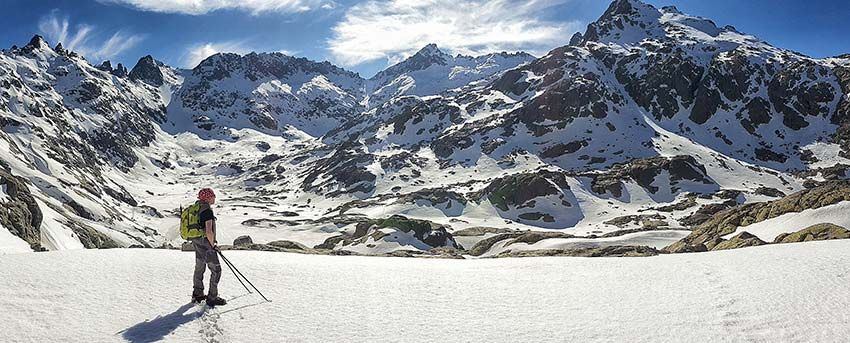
(159, 327)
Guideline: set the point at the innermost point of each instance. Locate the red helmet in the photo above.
(206, 194)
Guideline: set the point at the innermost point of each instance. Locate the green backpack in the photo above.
(190, 226)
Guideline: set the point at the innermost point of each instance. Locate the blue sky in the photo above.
(366, 36)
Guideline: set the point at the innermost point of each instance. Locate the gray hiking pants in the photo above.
(205, 257)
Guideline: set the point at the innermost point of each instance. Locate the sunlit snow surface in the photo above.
(781, 293)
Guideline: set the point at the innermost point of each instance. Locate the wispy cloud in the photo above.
(198, 7)
(82, 39)
(395, 29)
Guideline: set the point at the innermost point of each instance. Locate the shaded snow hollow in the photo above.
(781, 293)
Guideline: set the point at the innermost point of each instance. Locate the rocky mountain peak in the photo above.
(105, 66)
(427, 56)
(147, 70)
(36, 43)
(624, 19)
(430, 50)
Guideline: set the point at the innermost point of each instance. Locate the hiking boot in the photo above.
(216, 302)
(198, 298)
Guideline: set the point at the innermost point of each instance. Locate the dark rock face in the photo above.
(842, 112)
(670, 79)
(517, 191)
(644, 171)
(796, 92)
(147, 70)
(20, 214)
(121, 195)
(344, 172)
(91, 238)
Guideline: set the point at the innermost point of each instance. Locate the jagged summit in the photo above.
(147, 70)
(427, 56)
(430, 50)
(37, 42)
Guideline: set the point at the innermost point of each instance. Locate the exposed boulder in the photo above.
(279, 246)
(769, 191)
(480, 231)
(532, 237)
(187, 246)
(432, 234)
(741, 240)
(484, 245)
(645, 220)
(817, 232)
(242, 240)
(609, 251)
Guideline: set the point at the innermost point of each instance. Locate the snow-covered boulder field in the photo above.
(776, 293)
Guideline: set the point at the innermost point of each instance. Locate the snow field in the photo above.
(782, 293)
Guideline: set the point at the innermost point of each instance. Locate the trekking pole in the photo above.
(235, 274)
(243, 276)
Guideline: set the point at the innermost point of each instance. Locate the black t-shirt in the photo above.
(205, 215)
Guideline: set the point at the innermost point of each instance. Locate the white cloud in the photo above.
(395, 29)
(198, 52)
(198, 7)
(82, 40)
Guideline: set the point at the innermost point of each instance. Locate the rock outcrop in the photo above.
(817, 232)
(727, 221)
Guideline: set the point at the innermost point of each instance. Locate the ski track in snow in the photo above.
(777, 293)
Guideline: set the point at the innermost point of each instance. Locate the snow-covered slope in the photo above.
(267, 92)
(649, 123)
(431, 71)
(70, 133)
(783, 293)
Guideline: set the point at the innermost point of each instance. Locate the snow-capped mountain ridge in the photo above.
(430, 71)
(651, 119)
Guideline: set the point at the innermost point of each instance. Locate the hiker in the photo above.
(201, 233)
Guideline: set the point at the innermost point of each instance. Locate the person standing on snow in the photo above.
(206, 252)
